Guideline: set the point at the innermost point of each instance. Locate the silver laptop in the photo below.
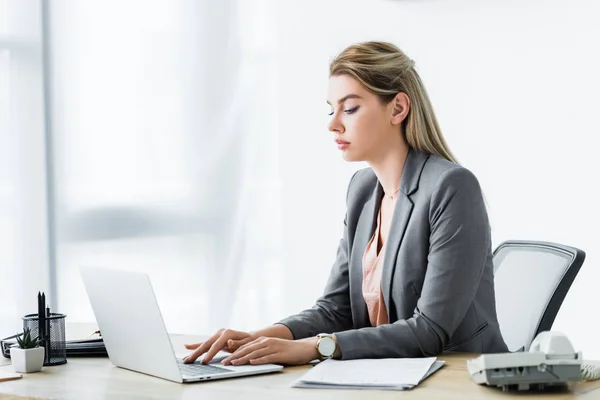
(134, 332)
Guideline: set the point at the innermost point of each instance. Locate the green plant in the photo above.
(25, 340)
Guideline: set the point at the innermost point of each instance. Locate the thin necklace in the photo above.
(391, 196)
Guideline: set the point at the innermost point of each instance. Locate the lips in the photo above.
(342, 144)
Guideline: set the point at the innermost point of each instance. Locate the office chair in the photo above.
(531, 280)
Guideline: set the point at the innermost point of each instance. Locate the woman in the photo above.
(414, 274)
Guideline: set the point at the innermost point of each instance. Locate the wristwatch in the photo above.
(326, 346)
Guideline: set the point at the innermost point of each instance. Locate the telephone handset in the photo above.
(550, 361)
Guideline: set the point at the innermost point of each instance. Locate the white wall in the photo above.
(515, 85)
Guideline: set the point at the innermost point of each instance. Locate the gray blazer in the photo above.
(438, 275)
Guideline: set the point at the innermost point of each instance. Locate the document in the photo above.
(381, 374)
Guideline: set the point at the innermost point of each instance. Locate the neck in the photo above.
(389, 167)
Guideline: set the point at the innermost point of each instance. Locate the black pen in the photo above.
(40, 325)
(48, 349)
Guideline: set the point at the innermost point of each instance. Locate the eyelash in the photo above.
(350, 111)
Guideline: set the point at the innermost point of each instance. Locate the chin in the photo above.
(348, 156)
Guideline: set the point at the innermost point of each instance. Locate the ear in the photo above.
(400, 107)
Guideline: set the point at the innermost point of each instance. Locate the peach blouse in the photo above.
(371, 286)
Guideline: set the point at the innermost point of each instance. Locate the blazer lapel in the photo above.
(365, 228)
(400, 218)
(408, 184)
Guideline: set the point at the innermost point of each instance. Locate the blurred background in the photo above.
(188, 139)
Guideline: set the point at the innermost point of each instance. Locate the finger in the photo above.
(253, 342)
(235, 355)
(202, 348)
(192, 346)
(220, 343)
(266, 359)
(245, 350)
(256, 354)
(233, 345)
(228, 346)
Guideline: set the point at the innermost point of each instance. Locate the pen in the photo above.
(40, 325)
(48, 334)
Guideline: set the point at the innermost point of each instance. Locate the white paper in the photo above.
(388, 372)
(299, 384)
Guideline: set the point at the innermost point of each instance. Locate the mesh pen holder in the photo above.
(55, 341)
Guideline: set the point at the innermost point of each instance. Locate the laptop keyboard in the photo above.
(199, 369)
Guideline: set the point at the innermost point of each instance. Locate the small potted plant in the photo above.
(27, 356)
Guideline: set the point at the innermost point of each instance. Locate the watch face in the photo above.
(326, 346)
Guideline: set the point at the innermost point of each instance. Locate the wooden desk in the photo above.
(97, 378)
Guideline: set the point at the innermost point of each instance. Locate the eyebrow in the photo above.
(346, 97)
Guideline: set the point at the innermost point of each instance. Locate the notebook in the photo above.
(375, 374)
(7, 373)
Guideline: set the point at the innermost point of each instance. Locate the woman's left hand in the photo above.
(266, 350)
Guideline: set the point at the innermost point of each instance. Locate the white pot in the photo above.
(27, 360)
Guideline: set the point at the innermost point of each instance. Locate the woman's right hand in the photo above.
(225, 339)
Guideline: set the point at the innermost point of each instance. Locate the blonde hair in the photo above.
(384, 70)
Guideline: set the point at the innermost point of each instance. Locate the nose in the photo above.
(335, 125)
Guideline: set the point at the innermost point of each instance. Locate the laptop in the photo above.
(135, 334)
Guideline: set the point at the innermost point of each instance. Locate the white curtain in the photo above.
(164, 159)
(23, 203)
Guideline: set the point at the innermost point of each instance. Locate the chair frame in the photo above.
(560, 292)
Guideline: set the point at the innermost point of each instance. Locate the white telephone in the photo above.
(550, 361)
